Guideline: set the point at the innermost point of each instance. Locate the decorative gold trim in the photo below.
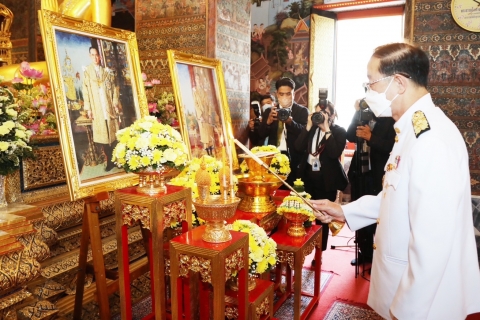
(174, 212)
(14, 298)
(234, 262)
(231, 312)
(195, 264)
(263, 308)
(132, 213)
(285, 256)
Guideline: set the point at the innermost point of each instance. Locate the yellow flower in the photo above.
(145, 161)
(134, 162)
(141, 143)
(4, 130)
(3, 145)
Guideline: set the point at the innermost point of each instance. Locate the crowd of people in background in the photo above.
(409, 178)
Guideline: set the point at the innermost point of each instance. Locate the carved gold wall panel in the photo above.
(17, 268)
(45, 170)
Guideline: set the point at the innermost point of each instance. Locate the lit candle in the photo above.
(224, 171)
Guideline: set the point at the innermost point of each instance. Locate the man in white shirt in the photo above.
(425, 262)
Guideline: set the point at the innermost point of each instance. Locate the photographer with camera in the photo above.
(266, 102)
(374, 138)
(320, 168)
(283, 125)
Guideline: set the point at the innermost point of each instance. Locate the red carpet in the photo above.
(343, 285)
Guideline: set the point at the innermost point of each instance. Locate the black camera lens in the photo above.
(363, 104)
(318, 118)
(283, 114)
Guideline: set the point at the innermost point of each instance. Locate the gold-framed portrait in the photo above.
(203, 110)
(96, 78)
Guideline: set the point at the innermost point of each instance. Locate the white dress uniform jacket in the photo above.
(425, 265)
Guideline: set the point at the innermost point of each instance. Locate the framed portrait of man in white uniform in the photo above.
(95, 73)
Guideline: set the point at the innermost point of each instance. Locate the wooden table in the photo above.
(292, 252)
(260, 302)
(155, 213)
(215, 263)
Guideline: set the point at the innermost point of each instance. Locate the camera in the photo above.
(366, 115)
(319, 117)
(283, 114)
(256, 110)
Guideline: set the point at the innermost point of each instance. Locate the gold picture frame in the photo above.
(95, 75)
(202, 104)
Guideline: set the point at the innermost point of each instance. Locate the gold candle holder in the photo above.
(215, 210)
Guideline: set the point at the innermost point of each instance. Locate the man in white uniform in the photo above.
(425, 264)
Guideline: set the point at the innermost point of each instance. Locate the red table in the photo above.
(292, 252)
(215, 263)
(260, 301)
(155, 213)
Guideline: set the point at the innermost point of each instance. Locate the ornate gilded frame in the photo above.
(66, 38)
(184, 68)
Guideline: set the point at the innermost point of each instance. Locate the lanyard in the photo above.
(320, 147)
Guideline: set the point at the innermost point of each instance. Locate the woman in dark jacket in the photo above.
(320, 168)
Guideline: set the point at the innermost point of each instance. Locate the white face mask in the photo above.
(265, 107)
(378, 102)
(285, 102)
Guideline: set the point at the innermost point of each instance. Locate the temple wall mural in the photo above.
(454, 79)
(280, 35)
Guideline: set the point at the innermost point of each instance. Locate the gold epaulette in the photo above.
(420, 123)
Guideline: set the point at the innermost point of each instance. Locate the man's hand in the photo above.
(289, 120)
(89, 114)
(331, 210)
(272, 116)
(364, 132)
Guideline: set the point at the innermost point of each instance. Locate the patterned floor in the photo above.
(144, 307)
(341, 310)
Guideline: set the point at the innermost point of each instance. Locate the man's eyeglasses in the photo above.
(368, 85)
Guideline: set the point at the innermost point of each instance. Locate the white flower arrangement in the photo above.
(261, 248)
(14, 137)
(295, 204)
(149, 144)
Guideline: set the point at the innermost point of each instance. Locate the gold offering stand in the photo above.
(258, 186)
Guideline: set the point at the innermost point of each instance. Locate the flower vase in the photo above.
(152, 181)
(3, 187)
(296, 228)
(251, 282)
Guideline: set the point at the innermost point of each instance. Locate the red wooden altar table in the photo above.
(155, 213)
(215, 262)
(292, 252)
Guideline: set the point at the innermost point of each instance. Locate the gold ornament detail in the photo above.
(195, 264)
(17, 269)
(48, 290)
(233, 263)
(420, 123)
(174, 212)
(285, 256)
(263, 308)
(39, 310)
(13, 299)
(231, 312)
(132, 213)
(45, 170)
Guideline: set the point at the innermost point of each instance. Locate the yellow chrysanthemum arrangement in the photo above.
(261, 248)
(295, 204)
(149, 144)
(280, 163)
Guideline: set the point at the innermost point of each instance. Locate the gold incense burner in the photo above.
(258, 186)
(257, 194)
